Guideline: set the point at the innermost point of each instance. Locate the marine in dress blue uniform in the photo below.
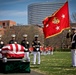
(36, 50)
(1, 45)
(25, 43)
(73, 47)
(13, 40)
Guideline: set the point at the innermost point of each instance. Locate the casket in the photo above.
(13, 51)
(12, 59)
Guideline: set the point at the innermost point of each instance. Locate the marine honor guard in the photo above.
(36, 49)
(1, 42)
(1, 45)
(25, 43)
(73, 47)
(13, 40)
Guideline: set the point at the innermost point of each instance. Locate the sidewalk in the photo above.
(32, 73)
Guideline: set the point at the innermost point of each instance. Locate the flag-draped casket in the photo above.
(13, 51)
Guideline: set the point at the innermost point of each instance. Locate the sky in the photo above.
(16, 10)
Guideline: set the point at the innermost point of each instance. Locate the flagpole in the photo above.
(62, 40)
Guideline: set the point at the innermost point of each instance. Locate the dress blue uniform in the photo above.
(1, 45)
(25, 43)
(13, 40)
(73, 47)
(36, 49)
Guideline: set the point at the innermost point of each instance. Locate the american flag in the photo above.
(13, 51)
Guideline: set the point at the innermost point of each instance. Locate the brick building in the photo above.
(5, 24)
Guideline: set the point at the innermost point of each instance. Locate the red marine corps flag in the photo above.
(56, 23)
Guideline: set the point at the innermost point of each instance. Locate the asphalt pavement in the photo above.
(31, 73)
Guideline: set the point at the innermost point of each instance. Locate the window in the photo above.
(3, 24)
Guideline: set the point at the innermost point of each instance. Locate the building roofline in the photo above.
(46, 3)
(6, 20)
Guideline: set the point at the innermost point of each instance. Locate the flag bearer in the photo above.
(36, 49)
(73, 47)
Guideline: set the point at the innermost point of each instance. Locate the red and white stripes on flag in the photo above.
(13, 51)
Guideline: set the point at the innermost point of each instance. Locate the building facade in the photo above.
(38, 11)
(7, 23)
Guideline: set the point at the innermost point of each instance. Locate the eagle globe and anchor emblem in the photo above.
(55, 20)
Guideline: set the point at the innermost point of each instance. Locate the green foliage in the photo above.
(57, 64)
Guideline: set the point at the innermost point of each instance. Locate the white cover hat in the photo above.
(13, 35)
(73, 28)
(36, 36)
(25, 35)
(69, 30)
